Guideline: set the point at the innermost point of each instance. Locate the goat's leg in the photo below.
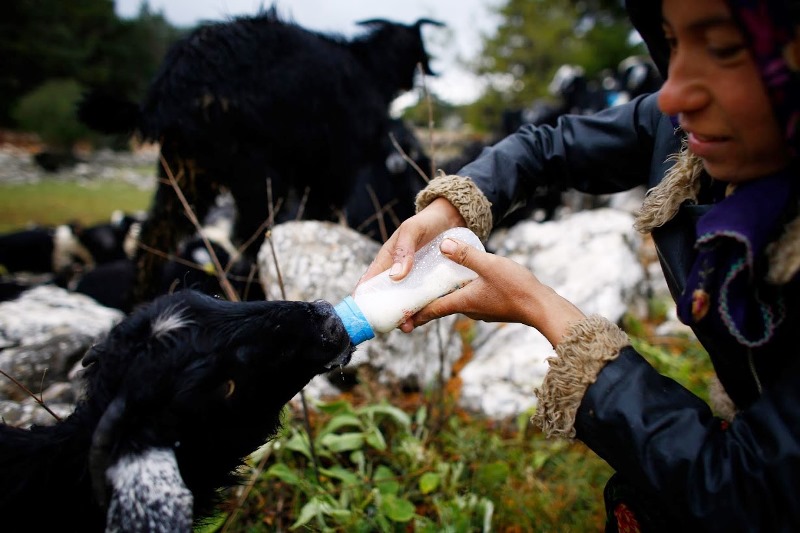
(258, 196)
(167, 222)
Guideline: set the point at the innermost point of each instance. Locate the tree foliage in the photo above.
(85, 41)
(49, 111)
(534, 38)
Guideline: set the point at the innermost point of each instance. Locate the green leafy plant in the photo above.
(376, 467)
(49, 111)
(370, 468)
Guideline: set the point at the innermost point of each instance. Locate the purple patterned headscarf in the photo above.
(770, 26)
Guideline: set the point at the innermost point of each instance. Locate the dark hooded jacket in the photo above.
(705, 473)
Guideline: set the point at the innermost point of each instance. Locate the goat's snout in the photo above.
(334, 333)
(331, 324)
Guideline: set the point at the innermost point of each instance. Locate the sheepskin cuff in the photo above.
(580, 356)
(465, 196)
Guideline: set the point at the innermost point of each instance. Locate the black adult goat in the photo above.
(256, 100)
(176, 396)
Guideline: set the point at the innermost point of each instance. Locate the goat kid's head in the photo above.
(189, 385)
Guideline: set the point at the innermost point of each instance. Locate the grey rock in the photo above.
(43, 312)
(41, 364)
(28, 413)
(590, 258)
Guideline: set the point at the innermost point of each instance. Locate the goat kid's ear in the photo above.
(91, 356)
(147, 488)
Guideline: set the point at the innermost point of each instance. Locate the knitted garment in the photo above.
(465, 196)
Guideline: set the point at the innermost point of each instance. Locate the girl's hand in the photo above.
(398, 252)
(504, 291)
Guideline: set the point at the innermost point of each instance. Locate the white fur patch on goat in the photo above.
(169, 320)
(66, 247)
(220, 233)
(148, 494)
(131, 242)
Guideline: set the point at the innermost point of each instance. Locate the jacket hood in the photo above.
(770, 27)
(645, 16)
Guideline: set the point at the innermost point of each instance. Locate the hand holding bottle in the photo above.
(397, 254)
(504, 291)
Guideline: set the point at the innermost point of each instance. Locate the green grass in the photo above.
(52, 202)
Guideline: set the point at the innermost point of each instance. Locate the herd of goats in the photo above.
(289, 124)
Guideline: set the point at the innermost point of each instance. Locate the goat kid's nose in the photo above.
(331, 322)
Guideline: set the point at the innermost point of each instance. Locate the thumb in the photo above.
(463, 254)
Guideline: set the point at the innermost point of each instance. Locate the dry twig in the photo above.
(38, 399)
(408, 159)
(229, 291)
(429, 102)
(256, 473)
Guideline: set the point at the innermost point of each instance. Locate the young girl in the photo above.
(719, 148)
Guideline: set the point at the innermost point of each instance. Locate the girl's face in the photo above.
(715, 89)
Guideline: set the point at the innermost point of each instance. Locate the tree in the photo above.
(132, 54)
(45, 39)
(85, 41)
(534, 38)
(48, 111)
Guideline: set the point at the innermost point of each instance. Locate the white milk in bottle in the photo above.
(381, 304)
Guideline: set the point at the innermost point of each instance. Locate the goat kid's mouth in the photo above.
(340, 360)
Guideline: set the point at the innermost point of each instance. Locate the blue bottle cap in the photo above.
(354, 322)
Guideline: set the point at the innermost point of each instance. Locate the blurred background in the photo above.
(493, 56)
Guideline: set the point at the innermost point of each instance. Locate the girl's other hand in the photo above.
(504, 291)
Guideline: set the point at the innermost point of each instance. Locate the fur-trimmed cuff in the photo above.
(784, 255)
(465, 196)
(585, 349)
(720, 402)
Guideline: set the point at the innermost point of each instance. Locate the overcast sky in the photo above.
(466, 20)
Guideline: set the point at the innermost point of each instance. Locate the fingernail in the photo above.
(395, 270)
(448, 246)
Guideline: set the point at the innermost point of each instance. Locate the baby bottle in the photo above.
(381, 304)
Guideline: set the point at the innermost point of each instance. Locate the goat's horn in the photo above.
(373, 22)
(420, 22)
(100, 452)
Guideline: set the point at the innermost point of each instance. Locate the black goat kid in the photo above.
(258, 100)
(176, 396)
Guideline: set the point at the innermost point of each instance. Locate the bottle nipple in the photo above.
(354, 321)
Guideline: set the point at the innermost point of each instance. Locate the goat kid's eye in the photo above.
(229, 387)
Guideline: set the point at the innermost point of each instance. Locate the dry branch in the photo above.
(37, 399)
(229, 291)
